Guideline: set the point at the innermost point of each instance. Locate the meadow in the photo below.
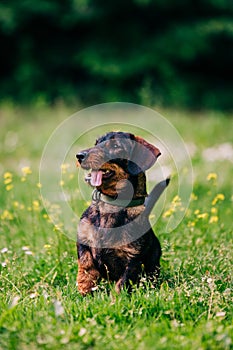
(40, 308)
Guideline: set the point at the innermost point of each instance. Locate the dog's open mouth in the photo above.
(95, 177)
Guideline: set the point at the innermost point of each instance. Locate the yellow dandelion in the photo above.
(176, 199)
(176, 203)
(213, 219)
(211, 176)
(36, 205)
(202, 216)
(23, 179)
(168, 213)
(8, 180)
(191, 224)
(218, 197)
(214, 210)
(45, 216)
(9, 187)
(29, 208)
(47, 246)
(197, 211)
(16, 204)
(214, 201)
(64, 167)
(22, 206)
(7, 175)
(26, 170)
(71, 176)
(57, 227)
(6, 215)
(193, 197)
(221, 197)
(62, 183)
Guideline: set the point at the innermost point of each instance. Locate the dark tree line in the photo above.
(177, 53)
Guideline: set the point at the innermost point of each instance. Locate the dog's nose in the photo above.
(80, 156)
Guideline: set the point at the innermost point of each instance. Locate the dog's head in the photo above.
(117, 156)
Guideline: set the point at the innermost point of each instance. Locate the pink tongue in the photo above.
(96, 178)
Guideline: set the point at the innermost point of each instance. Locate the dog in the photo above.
(115, 240)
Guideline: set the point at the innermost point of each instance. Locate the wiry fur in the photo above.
(123, 263)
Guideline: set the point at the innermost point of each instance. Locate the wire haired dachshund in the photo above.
(115, 239)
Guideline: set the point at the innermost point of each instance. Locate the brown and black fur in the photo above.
(122, 162)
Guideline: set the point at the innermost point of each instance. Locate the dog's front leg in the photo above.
(88, 275)
(130, 276)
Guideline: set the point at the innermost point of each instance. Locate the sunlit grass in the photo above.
(40, 306)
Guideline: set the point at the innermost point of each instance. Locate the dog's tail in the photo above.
(154, 196)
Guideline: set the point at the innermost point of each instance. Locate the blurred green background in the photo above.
(167, 53)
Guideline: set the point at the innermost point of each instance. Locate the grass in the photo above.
(40, 307)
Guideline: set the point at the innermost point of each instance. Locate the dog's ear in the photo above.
(143, 156)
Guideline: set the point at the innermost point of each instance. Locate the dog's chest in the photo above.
(101, 224)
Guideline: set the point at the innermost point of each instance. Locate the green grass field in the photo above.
(40, 307)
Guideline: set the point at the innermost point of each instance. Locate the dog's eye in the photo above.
(115, 145)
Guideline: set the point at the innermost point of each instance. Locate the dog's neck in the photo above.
(127, 203)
